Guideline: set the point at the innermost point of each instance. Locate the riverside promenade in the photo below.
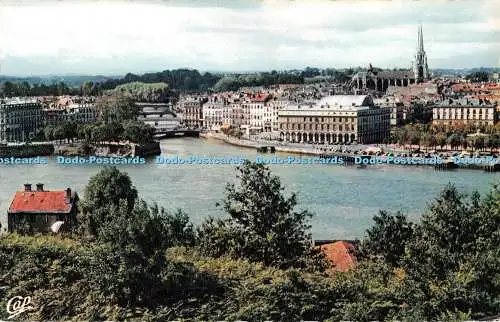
(279, 146)
(348, 151)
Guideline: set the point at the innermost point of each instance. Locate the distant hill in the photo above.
(464, 71)
(72, 81)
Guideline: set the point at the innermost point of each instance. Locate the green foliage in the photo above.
(450, 259)
(184, 80)
(68, 280)
(388, 237)
(263, 225)
(107, 188)
(144, 92)
(117, 107)
(478, 76)
(23, 88)
(138, 132)
(113, 214)
(233, 83)
(142, 265)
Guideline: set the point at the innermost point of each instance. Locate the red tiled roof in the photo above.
(260, 98)
(340, 254)
(40, 202)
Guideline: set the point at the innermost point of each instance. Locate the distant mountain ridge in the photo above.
(76, 80)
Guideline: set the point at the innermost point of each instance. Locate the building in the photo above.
(256, 114)
(20, 120)
(213, 112)
(159, 116)
(335, 119)
(81, 113)
(340, 254)
(42, 211)
(397, 108)
(276, 104)
(421, 89)
(420, 68)
(192, 108)
(379, 81)
(464, 111)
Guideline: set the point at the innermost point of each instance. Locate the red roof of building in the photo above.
(260, 98)
(340, 254)
(40, 202)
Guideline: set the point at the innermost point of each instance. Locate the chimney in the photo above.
(68, 195)
(27, 187)
(39, 187)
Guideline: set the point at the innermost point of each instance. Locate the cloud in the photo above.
(246, 35)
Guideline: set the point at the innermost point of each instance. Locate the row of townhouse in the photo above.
(21, 119)
(254, 113)
(332, 119)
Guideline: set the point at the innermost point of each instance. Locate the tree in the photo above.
(49, 132)
(454, 141)
(455, 253)
(441, 140)
(105, 190)
(263, 220)
(478, 76)
(117, 108)
(388, 237)
(425, 140)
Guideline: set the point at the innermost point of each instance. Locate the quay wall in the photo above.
(348, 157)
(27, 151)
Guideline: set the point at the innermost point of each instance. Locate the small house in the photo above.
(42, 211)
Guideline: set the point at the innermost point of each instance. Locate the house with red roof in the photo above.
(340, 254)
(42, 211)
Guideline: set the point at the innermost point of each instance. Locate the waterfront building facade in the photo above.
(276, 104)
(192, 108)
(20, 120)
(255, 112)
(213, 112)
(81, 113)
(335, 119)
(465, 111)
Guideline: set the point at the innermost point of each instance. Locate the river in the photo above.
(343, 199)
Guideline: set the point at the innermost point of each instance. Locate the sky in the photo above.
(115, 37)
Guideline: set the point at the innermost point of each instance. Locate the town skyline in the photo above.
(243, 36)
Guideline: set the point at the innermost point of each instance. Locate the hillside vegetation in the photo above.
(130, 260)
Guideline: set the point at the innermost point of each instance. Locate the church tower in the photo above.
(420, 68)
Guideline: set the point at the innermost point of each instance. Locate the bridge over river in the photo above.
(168, 133)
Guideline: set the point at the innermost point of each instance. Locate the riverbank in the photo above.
(110, 149)
(255, 145)
(26, 150)
(325, 152)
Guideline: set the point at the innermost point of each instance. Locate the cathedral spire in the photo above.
(420, 42)
(420, 68)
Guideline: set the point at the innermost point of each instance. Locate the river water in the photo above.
(343, 199)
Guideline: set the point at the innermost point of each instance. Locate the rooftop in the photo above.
(340, 254)
(339, 102)
(41, 202)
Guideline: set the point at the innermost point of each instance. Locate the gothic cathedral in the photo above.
(420, 68)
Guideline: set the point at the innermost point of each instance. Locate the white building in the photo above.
(335, 119)
(215, 112)
(20, 119)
